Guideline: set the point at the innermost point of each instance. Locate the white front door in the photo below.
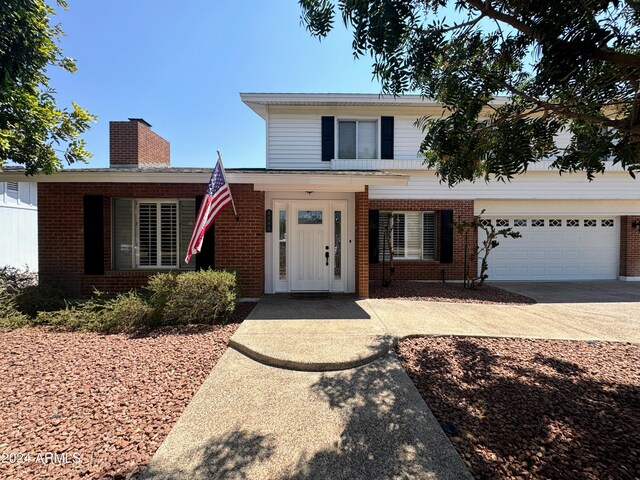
(310, 247)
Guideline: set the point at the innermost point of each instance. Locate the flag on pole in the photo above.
(217, 197)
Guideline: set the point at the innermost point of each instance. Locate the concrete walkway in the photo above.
(577, 321)
(318, 394)
(313, 334)
(252, 421)
(345, 332)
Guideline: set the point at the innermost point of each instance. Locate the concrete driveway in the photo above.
(607, 311)
(611, 291)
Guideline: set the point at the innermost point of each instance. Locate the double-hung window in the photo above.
(152, 234)
(413, 236)
(357, 139)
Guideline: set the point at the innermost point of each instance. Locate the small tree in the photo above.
(481, 251)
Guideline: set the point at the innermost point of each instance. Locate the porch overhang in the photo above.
(327, 181)
(262, 179)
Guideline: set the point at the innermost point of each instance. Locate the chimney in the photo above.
(132, 144)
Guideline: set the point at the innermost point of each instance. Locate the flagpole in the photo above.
(224, 174)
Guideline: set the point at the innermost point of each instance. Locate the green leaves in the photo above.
(33, 129)
(565, 64)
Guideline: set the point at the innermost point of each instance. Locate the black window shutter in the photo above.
(446, 236)
(207, 256)
(93, 211)
(374, 236)
(386, 138)
(328, 138)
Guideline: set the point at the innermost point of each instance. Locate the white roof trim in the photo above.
(258, 102)
(327, 179)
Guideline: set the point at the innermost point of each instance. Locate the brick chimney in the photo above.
(132, 144)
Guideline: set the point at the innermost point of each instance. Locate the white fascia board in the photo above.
(254, 99)
(308, 187)
(111, 176)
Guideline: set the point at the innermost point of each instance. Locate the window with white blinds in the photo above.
(151, 233)
(413, 236)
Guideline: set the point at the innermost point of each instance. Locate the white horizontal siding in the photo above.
(294, 139)
(27, 196)
(19, 237)
(407, 138)
(533, 185)
(294, 142)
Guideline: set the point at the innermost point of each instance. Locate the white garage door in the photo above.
(556, 248)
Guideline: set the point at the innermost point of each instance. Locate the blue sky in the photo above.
(182, 65)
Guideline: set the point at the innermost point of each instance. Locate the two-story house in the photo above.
(338, 166)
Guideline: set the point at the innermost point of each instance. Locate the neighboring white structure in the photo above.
(572, 229)
(19, 225)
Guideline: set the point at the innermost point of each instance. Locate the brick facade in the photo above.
(629, 247)
(362, 243)
(429, 269)
(239, 245)
(132, 143)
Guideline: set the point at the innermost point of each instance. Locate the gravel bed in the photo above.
(105, 400)
(447, 292)
(517, 408)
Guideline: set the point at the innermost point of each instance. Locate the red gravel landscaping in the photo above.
(447, 292)
(539, 409)
(107, 400)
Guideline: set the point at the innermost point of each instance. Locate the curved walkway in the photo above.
(344, 332)
(313, 335)
(354, 413)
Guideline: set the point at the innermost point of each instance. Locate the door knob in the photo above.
(326, 256)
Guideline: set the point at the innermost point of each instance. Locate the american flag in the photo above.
(217, 197)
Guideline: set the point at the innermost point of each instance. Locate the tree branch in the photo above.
(604, 54)
(470, 23)
(567, 112)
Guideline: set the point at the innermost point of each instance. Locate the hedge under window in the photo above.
(413, 237)
(152, 234)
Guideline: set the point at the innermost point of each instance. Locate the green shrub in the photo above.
(10, 317)
(206, 296)
(11, 281)
(83, 316)
(123, 313)
(27, 296)
(15, 279)
(126, 312)
(40, 298)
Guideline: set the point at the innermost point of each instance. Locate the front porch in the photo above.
(317, 231)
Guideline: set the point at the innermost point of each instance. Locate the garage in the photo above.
(556, 248)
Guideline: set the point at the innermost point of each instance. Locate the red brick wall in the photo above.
(239, 245)
(629, 247)
(429, 269)
(133, 143)
(362, 243)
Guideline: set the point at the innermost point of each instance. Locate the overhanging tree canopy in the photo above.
(565, 64)
(32, 127)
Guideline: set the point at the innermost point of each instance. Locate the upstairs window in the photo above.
(357, 139)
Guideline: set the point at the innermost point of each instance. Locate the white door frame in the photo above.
(290, 207)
